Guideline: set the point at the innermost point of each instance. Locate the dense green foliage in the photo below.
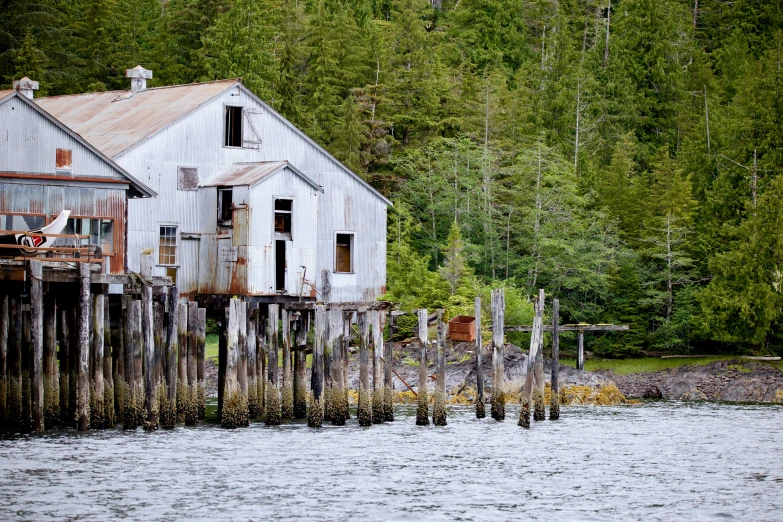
(623, 155)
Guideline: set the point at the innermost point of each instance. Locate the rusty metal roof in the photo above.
(253, 173)
(117, 120)
(4, 93)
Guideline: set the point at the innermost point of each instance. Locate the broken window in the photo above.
(167, 245)
(343, 260)
(233, 136)
(283, 211)
(187, 178)
(63, 159)
(225, 200)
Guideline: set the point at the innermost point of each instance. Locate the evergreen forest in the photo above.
(624, 155)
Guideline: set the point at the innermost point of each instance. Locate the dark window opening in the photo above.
(283, 216)
(225, 200)
(171, 272)
(233, 127)
(343, 253)
(280, 265)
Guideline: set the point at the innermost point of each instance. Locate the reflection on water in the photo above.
(660, 461)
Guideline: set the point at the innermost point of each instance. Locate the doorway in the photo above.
(280, 265)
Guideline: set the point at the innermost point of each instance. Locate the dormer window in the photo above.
(233, 130)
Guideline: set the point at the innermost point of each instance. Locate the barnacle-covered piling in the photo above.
(439, 408)
(498, 399)
(422, 409)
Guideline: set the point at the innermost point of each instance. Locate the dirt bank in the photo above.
(731, 380)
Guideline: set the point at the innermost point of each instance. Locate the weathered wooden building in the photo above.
(45, 168)
(247, 203)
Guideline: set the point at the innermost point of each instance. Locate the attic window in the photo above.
(283, 211)
(343, 260)
(64, 159)
(225, 200)
(233, 136)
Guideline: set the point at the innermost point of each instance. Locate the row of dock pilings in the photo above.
(73, 355)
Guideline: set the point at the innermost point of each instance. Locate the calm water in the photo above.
(659, 461)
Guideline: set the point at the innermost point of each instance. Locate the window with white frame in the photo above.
(167, 245)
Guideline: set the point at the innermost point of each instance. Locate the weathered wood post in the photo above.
(168, 418)
(344, 344)
(64, 342)
(554, 400)
(118, 360)
(182, 361)
(15, 365)
(378, 415)
(51, 394)
(287, 402)
(422, 409)
(261, 362)
(300, 368)
(83, 390)
(108, 375)
(480, 410)
(160, 348)
(328, 383)
(498, 406)
(315, 412)
(273, 413)
(241, 368)
(191, 411)
(253, 410)
(439, 408)
(233, 410)
(364, 412)
(335, 394)
(388, 396)
(97, 392)
(134, 414)
(4, 322)
(580, 350)
(222, 351)
(536, 337)
(539, 410)
(27, 371)
(36, 309)
(201, 346)
(147, 325)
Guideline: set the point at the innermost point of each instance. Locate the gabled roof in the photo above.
(4, 93)
(252, 174)
(137, 188)
(115, 121)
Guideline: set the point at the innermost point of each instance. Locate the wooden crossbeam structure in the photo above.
(580, 330)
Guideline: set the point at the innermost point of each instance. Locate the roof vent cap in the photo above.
(138, 76)
(26, 87)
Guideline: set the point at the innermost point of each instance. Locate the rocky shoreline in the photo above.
(738, 381)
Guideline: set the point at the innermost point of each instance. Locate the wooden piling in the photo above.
(261, 350)
(388, 395)
(242, 361)
(536, 337)
(554, 400)
(287, 402)
(96, 392)
(83, 389)
(36, 326)
(158, 332)
(233, 415)
(191, 411)
(539, 411)
(480, 409)
(422, 409)
(63, 354)
(182, 361)
(364, 411)
(201, 346)
(73, 362)
(498, 406)
(4, 327)
(439, 406)
(222, 350)
(580, 350)
(27, 372)
(134, 402)
(344, 346)
(273, 413)
(51, 394)
(14, 400)
(315, 411)
(335, 404)
(108, 376)
(168, 418)
(378, 415)
(300, 368)
(148, 339)
(251, 340)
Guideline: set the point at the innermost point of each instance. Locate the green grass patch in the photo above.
(652, 364)
(211, 348)
(410, 362)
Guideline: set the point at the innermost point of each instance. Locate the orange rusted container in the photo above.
(463, 328)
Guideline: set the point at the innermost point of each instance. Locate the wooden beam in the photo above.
(574, 328)
(347, 307)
